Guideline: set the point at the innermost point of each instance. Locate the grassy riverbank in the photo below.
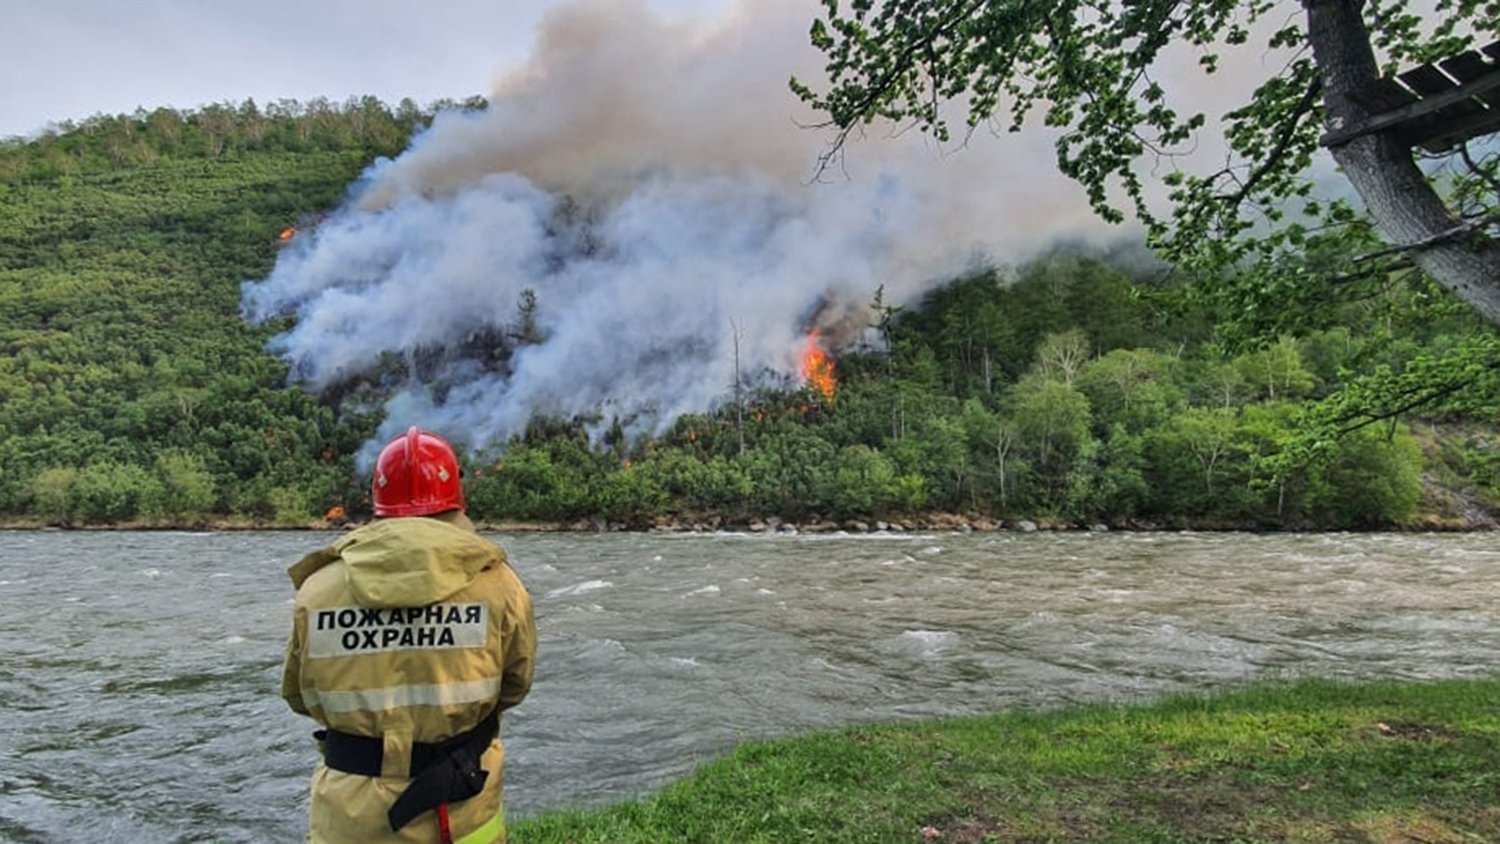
(1311, 761)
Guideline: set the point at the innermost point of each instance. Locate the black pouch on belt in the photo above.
(451, 779)
(450, 772)
(442, 772)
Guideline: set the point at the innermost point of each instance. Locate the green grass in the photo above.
(1310, 761)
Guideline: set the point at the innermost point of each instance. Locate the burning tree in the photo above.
(817, 367)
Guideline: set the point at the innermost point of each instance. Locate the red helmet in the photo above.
(417, 475)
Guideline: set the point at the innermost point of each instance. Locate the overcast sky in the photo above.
(70, 59)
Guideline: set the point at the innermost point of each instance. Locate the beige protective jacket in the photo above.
(411, 630)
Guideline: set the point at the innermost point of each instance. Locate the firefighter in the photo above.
(410, 636)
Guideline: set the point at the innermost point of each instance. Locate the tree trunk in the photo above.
(1383, 171)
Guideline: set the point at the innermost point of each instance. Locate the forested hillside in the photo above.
(1077, 389)
(129, 386)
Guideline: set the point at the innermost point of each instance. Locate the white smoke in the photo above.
(651, 181)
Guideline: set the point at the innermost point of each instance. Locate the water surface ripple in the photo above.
(141, 670)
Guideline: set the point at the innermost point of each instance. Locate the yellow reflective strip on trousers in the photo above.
(493, 830)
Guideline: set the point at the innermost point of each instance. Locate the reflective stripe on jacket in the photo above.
(412, 630)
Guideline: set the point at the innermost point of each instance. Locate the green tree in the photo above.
(864, 484)
(629, 495)
(1198, 466)
(110, 492)
(1052, 422)
(54, 490)
(1211, 381)
(1373, 480)
(1119, 489)
(1276, 371)
(1062, 355)
(1207, 435)
(1130, 387)
(187, 486)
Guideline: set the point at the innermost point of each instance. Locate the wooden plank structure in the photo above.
(1436, 107)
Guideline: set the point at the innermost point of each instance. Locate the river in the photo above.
(140, 676)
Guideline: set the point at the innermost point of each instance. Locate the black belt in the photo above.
(441, 772)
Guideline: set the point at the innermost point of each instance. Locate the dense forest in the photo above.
(1081, 388)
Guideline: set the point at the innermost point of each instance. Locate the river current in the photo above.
(140, 672)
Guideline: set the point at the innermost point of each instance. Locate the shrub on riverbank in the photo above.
(1310, 761)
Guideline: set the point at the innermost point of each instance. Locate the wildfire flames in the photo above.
(287, 234)
(817, 367)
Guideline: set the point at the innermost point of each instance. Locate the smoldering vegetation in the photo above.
(637, 224)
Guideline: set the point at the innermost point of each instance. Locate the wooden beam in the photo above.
(1442, 137)
(1384, 95)
(1452, 96)
(1426, 81)
(1467, 67)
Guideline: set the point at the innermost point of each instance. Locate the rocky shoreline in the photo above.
(933, 522)
(1470, 519)
(953, 523)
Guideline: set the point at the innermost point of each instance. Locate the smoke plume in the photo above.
(636, 206)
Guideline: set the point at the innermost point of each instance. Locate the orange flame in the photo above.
(287, 234)
(334, 514)
(817, 367)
